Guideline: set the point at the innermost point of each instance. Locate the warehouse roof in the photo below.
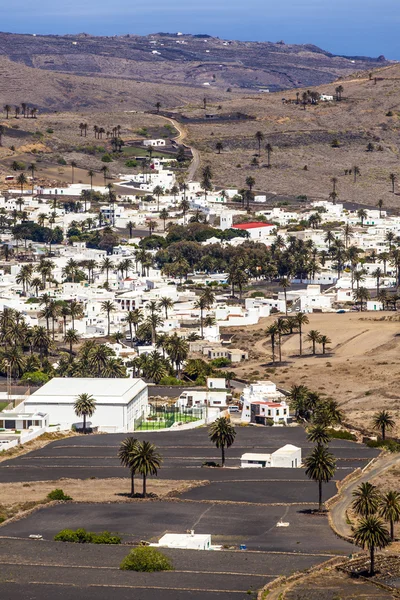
(62, 390)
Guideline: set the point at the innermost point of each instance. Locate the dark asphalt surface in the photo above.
(239, 506)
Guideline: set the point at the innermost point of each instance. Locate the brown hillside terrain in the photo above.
(361, 369)
(304, 138)
(184, 59)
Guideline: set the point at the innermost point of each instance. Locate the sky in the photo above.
(350, 27)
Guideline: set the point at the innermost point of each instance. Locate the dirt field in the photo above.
(361, 369)
(93, 490)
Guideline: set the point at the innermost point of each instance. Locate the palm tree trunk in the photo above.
(301, 341)
(383, 433)
(320, 496)
(313, 347)
(132, 483)
(108, 325)
(280, 348)
(130, 333)
(223, 455)
(84, 423)
(372, 564)
(273, 350)
(144, 486)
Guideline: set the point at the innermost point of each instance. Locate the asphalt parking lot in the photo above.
(239, 506)
(55, 571)
(82, 457)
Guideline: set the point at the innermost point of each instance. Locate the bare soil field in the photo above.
(361, 369)
(89, 490)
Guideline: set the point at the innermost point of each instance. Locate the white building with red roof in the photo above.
(263, 403)
(257, 230)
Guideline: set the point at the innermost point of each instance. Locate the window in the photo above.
(277, 412)
(284, 411)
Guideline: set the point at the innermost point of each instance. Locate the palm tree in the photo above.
(73, 165)
(250, 182)
(301, 319)
(324, 340)
(178, 350)
(125, 455)
(134, 318)
(108, 307)
(145, 460)
(71, 337)
(22, 180)
(166, 303)
(36, 283)
(24, 276)
(380, 206)
(219, 147)
(184, 207)
(389, 509)
(158, 191)
(164, 215)
(75, 310)
(318, 434)
(362, 215)
(356, 171)
(269, 150)
(320, 467)
(222, 434)
(313, 336)
(383, 420)
(371, 533)
(361, 295)
(41, 340)
(84, 406)
(7, 109)
(259, 137)
(130, 225)
(367, 499)
(285, 283)
(393, 178)
(106, 266)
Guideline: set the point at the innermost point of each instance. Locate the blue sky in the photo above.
(353, 27)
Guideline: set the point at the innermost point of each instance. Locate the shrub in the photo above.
(220, 362)
(81, 536)
(146, 560)
(106, 158)
(335, 143)
(131, 163)
(49, 130)
(390, 445)
(35, 377)
(171, 380)
(61, 161)
(341, 434)
(58, 494)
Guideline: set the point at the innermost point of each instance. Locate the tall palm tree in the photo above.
(383, 420)
(313, 336)
(393, 178)
(125, 455)
(166, 303)
(134, 318)
(22, 180)
(73, 165)
(269, 150)
(222, 434)
(320, 467)
(106, 266)
(158, 191)
(285, 283)
(362, 215)
(324, 341)
(301, 319)
(108, 307)
(318, 434)
(75, 310)
(389, 509)
(24, 276)
(371, 533)
(84, 406)
(366, 499)
(259, 138)
(178, 350)
(219, 147)
(164, 215)
(71, 337)
(145, 460)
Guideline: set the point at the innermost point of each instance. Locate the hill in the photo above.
(311, 143)
(116, 66)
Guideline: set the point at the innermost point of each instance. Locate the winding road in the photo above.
(338, 510)
(180, 139)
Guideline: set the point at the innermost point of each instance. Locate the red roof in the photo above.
(252, 225)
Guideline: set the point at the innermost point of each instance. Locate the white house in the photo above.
(119, 402)
(256, 230)
(155, 143)
(287, 457)
(186, 541)
(262, 403)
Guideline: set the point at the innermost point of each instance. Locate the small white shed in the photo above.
(252, 460)
(287, 457)
(187, 541)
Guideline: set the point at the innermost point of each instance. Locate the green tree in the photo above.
(301, 319)
(259, 138)
(389, 509)
(313, 336)
(108, 307)
(222, 434)
(269, 150)
(320, 467)
(71, 337)
(125, 455)
(382, 421)
(318, 434)
(106, 266)
(219, 147)
(166, 303)
(164, 215)
(145, 460)
(371, 533)
(84, 406)
(366, 499)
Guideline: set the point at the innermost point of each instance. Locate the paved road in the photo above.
(338, 511)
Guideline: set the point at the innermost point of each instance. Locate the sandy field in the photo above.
(93, 490)
(361, 369)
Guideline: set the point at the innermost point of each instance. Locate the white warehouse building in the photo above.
(118, 402)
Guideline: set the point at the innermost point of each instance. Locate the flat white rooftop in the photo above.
(63, 390)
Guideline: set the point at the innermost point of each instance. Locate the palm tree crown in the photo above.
(222, 434)
(84, 406)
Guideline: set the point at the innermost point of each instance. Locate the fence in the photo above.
(164, 417)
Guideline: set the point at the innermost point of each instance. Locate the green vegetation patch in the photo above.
(146, 560)
(58, 494)
(81, 536)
